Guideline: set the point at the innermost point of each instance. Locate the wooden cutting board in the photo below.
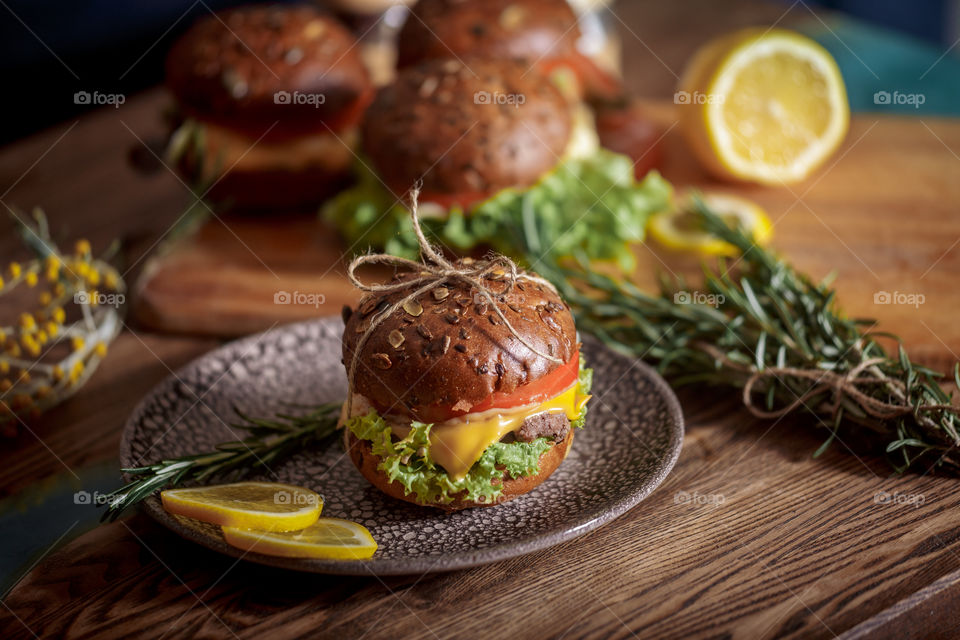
(882, 214)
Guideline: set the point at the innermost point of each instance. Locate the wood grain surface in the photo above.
(748, 538)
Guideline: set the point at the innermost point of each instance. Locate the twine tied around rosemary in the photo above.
(434, 271)
(847, 385)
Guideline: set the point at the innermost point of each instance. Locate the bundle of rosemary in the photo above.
(772, 333)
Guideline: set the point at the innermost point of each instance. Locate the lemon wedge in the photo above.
(268, 506)
(330, 538)
(675, 228)
(765, 106)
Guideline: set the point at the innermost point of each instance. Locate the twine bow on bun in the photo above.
(434, 271)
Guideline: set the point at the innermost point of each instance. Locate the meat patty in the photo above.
(554, 426)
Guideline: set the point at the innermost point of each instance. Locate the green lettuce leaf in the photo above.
(408, 460)
(590, 206)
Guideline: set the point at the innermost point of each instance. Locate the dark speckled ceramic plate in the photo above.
(630, 442)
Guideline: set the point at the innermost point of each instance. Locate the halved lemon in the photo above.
(330, 538)
(766, 106)
(268, 506)
(676, 228)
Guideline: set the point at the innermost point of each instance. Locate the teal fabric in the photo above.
(50, 514)
(874, 60)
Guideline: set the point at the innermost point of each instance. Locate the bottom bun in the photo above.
(366, 462)
(277, 189)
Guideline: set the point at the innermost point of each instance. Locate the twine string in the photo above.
(841, 385)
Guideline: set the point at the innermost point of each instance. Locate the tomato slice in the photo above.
(537, 391)
(594, 83)
(625, 129)
(534, 392)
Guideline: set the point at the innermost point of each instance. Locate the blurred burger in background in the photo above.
(269, 100)
(569, 42)
(505, 160)
(545, 34)
(376, 24)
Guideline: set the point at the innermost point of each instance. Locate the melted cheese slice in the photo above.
(458, 443)
(227, 149)
(584, 140)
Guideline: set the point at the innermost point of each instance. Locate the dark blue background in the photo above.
(101, 40)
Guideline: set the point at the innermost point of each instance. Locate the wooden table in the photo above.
(748, 537)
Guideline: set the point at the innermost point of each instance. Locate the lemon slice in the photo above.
(330, 538)
(268, 506)
(766, 106)
(676, 229)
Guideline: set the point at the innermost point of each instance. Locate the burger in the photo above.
(450, 408)
(505, 161)
(544, 34)
(445, 125)
(269, 99)
(564, 40)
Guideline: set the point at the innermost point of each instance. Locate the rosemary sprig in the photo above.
(771, 332)
(269, 441)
